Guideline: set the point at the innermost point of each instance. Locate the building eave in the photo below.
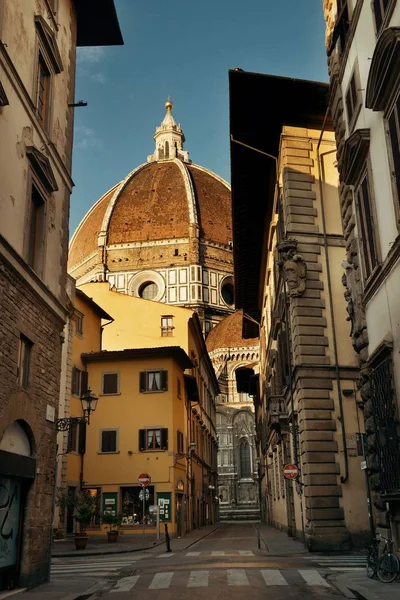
(93, 305)
(260, 105)
(97, 23)
(175, 352)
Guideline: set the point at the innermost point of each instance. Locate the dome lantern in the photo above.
(169, 139)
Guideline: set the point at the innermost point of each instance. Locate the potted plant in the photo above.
(114, 521)
(83, 515)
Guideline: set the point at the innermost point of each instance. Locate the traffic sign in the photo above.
(290, 471)
(144, 479)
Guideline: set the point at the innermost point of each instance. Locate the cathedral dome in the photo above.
(229, 334)
(163, 233)
(156, 201)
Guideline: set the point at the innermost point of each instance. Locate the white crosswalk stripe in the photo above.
(125, 584)
(237, 577)
(166, 555)
(218, 553)
(273, 577)
(246, 553)
(198, 579)
(312, 577)
(192, 553)
(234, 577)
(95, 567)
(161, 581)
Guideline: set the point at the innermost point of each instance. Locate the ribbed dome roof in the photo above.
(157, 201)
(228, 334)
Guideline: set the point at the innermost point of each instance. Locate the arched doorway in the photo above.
(17, 471)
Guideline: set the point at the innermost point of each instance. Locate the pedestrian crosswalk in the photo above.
(90, 567)
(351, 562)
(308, 578)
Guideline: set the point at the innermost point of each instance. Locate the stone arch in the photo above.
(18, 439)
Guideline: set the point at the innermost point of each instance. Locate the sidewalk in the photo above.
(368, 589)
(75, 588)
(279, 543)
(352, 584)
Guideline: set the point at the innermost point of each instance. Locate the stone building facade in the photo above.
(38, 42)
(305, 414)
(362, 41)
(238, 489)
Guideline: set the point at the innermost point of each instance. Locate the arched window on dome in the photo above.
(245, 467)
(166, 150)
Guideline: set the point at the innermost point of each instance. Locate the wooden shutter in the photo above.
(110, 383)
(164, 439)
(142, 439)
(142, 381)
(378, 13)
(82, 437)
(164, 380)
(84, 382)
(394, 134)
(109, 441)
(284, 358)
(69, 440)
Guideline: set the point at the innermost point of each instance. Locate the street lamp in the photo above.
(89, 404)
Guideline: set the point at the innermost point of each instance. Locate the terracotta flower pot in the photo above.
(112, 536)
(81, 542)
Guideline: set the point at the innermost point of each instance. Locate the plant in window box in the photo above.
(113, 521)
(83, 515)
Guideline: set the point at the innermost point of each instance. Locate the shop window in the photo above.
(153, 439)
(108, 440)
(110, 384)
(132, 505)
(24, 361)
(153, 381)
(94, 495)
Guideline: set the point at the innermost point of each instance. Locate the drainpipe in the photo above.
(320, 157)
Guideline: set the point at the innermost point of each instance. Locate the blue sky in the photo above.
(182, 48)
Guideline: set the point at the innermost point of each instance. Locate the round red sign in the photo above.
(290, 471)
(144, 479)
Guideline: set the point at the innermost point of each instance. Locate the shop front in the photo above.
(17, 472)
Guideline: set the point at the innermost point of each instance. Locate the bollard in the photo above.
(167, 540)
(258, 538)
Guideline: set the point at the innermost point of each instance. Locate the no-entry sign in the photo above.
(144, 479)
(290, 471)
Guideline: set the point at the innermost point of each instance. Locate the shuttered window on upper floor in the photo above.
(394, 139)
(366, 225)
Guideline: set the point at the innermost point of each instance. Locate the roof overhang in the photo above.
(175, 352)
(97, 23)
(260, 105)
(93, 305)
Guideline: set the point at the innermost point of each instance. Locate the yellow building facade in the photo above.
(155, 414)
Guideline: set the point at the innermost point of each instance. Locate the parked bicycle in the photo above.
(386, 565)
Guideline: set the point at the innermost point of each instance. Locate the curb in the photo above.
(73, 554)
(155, 545)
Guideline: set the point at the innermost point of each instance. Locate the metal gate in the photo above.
(386, 426)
